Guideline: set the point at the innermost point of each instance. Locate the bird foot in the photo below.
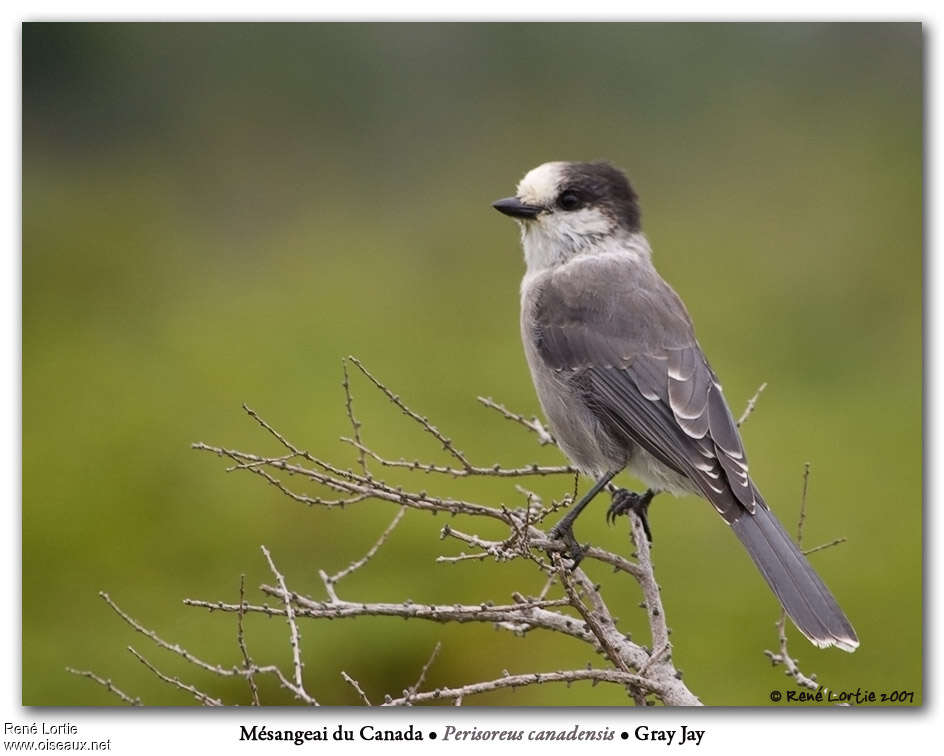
(625, 501)
(573, 551)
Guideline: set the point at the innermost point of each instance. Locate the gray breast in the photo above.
(580, 434)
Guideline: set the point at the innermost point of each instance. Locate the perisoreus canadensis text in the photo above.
(623, 381)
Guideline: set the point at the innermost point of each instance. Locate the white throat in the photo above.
(548, 248)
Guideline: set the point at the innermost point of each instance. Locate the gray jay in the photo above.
(624, 383)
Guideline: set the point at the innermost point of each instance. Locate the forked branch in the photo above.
(567, 602)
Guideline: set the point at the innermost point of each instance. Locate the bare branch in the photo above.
(495, 471)
(410, 693)
(107, 685)
(595, 620)
(353, 566)
(241, 642)
(294, 636)
(424, 422)
(580, 614)
(355, 424)
(257, 465)
(295, 452)
(173, 647)
(196, 661)
(822, 546)
(354, 684)
(202, 697)
(349, 482)
(534, 614)
(802, 518)
(791, 665)
(751, 403)
(248, 465)
(534, 425)
(520, 681)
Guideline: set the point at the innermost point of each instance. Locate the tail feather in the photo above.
(800, 590)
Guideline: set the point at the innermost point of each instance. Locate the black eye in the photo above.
(568, 201)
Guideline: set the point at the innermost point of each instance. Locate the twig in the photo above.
(248, 465)
(537, 540)
(355, 424)
(256, 467)
(751, 403)
(410, 693)
(107, 685)
(173, 647)
(802, 518)
(354, 684)
(349, 482)
(532, 614)
(594, 619)
(196, 661)
(834, 542)
(495, 471)
(791, 665)
(294, 636)
(580, 614)
(424, 422)
(202, 697)
(241, 641)
(296, 452)
(534, 425)
(353, 566)
(617, 677)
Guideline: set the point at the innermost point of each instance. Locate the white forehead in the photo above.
(540, 185)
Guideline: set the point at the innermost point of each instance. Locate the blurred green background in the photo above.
(217, 213)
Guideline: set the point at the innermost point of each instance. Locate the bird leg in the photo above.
(625, 501)
(564, 530)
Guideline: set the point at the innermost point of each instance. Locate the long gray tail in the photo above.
(803, 595)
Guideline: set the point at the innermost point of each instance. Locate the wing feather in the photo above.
(630, 343)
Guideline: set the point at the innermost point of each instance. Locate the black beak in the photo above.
(516, 208)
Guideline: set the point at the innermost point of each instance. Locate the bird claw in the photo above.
(625, 501)
(573, 550)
